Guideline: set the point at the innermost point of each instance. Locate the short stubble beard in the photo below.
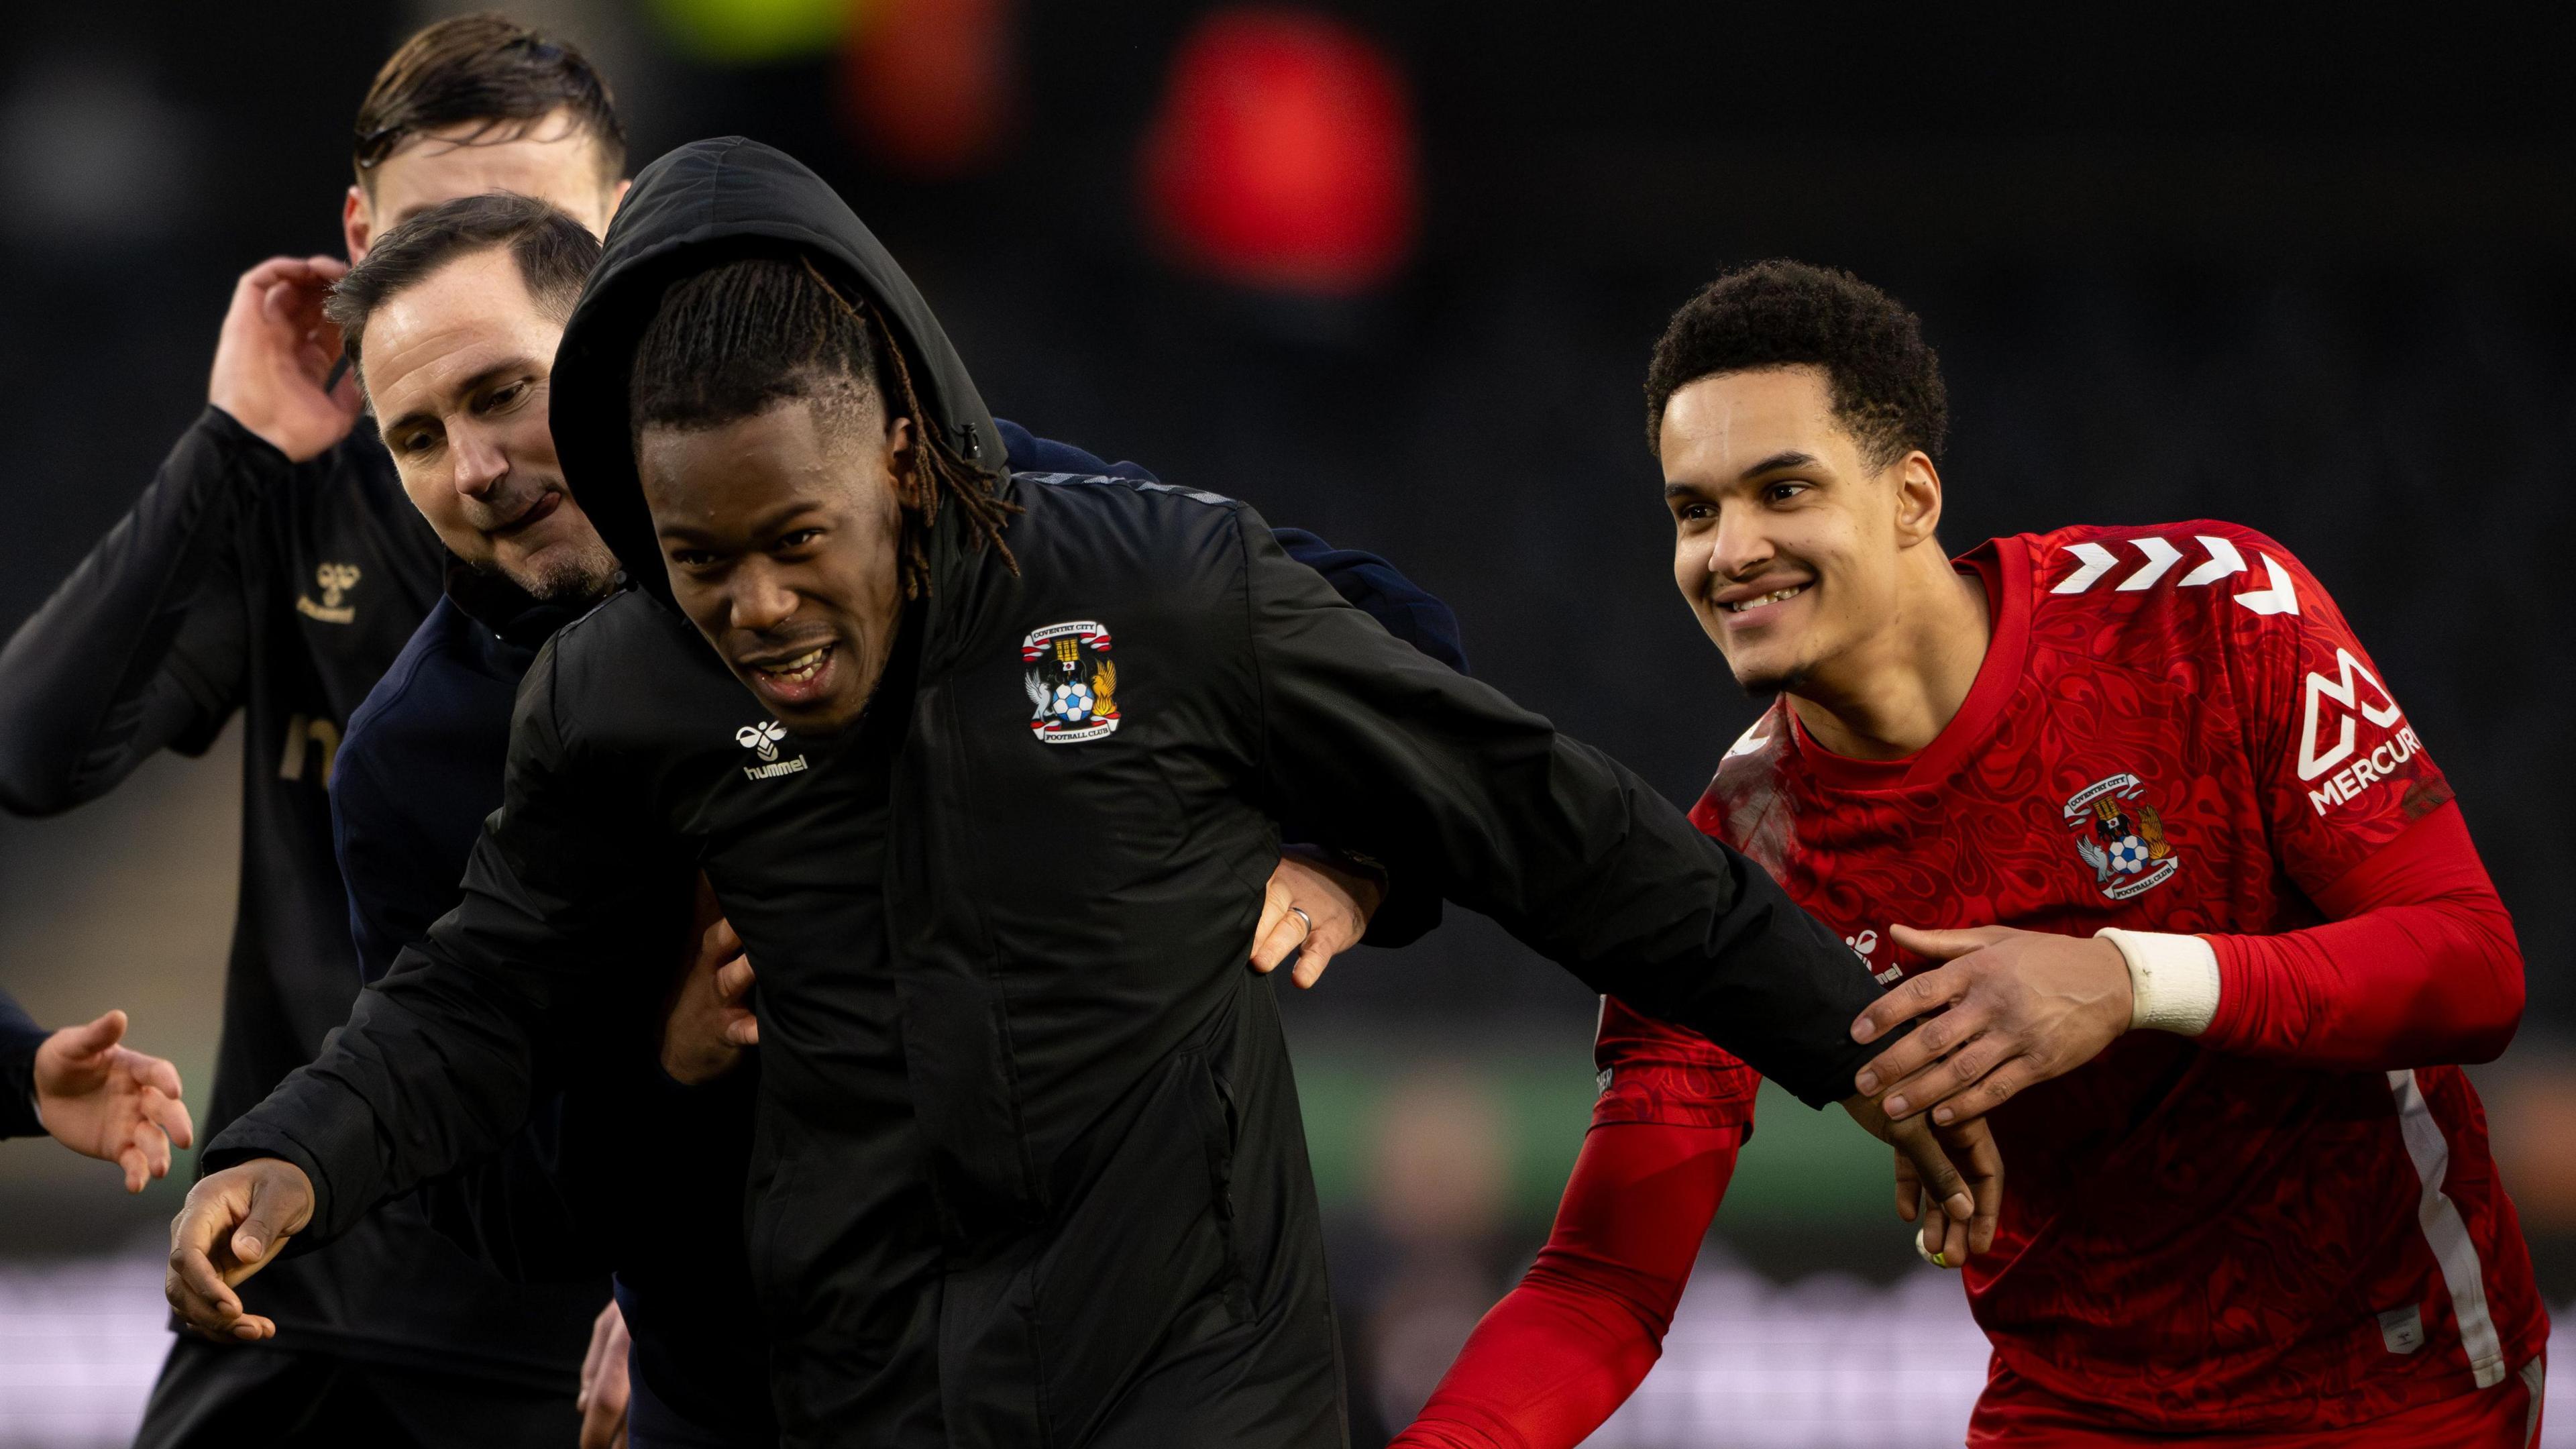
(574, 575)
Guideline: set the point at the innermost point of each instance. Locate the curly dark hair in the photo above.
(1886, 381)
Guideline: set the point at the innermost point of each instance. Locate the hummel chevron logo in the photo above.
(2161, 557)
(762, 740)
(2278, 599)
(2095, 562)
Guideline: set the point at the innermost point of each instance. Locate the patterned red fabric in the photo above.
(2504, 1416)
(2173, 730)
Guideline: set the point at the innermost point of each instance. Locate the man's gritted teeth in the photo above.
(794, 678)
(1748, 602)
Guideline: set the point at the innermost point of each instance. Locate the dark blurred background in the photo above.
(1391, 272)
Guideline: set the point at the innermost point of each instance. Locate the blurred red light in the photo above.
(1283, 155)
(927, 83)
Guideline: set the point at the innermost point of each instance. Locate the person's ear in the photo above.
(1918, 499)
(357, 224)
(902, 458)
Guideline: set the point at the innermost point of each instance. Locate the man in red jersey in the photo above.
(2194, 865)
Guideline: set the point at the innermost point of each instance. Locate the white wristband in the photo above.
(2173, 980)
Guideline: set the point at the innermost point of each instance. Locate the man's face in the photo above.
(456, 366)
(550, 158)
(1784, 537)
(780, 532)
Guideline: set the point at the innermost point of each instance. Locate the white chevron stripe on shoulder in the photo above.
(2161, 557)
(2097, 562)
(2223, 560)
(2281, 598)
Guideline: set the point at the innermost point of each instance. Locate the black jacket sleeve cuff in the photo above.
(1403, 916)
(19, 1038)
(245, 1142)
(250, 447)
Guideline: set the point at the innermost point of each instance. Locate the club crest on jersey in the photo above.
(1071, 683)
(2121, 837)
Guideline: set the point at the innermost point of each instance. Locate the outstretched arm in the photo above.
(1480, 801)
(564, 897)
(1568, 1346)
(1458, 788)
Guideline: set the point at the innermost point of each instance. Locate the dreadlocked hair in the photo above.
(741, 338)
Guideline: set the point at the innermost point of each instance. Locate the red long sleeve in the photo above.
(2419, 966)
(1567, 1347)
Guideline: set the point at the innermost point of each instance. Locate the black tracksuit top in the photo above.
(244, 583)
(1029, 1167)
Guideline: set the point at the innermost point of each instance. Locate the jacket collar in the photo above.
(510, 613)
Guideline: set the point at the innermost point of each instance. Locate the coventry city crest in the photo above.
(1071, 683)
(2120, 835)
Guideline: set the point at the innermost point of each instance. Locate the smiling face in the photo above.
(552, 158)
(1786, 540)
(780, 532)
(457, 367)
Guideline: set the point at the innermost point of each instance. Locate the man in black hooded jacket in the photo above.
(472, 296)
(1030, 1166)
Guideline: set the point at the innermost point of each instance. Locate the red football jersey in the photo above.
(2173, 730)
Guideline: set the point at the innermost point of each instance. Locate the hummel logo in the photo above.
(336, 580)
(762, 739)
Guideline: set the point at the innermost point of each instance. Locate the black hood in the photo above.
(709, 202)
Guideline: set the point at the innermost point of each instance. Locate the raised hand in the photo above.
(231, 1226)
(2023, 1006)
(277, 351)
(1316, 906)
(110, 1102)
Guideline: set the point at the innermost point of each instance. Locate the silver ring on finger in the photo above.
(1302, 916)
